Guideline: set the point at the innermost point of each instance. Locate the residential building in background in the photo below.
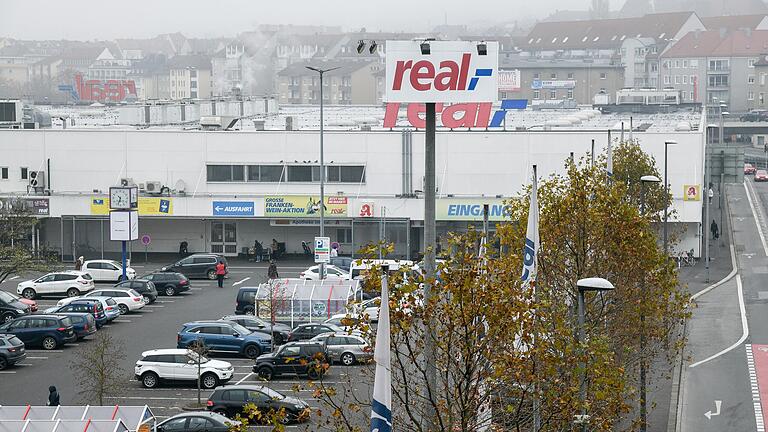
(354, 83)
(190, 77)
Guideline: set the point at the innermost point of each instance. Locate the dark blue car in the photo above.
(224, 336)
(91, 306)
(83, 322)
(47, 331)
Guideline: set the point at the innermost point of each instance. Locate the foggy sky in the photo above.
(100, 19)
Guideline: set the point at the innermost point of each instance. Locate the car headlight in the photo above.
(19, 311)
(299, 406)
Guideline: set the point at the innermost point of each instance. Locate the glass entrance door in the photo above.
(224, 238)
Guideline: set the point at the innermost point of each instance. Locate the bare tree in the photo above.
(199, 351)
(17, 253)
(98, 370)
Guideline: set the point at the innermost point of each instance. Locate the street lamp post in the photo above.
(583, 285)
(322, 162)
(666, 195)
(643, 391)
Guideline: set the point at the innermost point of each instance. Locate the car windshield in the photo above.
(116, 264)
(134, 293)
(86, 276)
(14, 340)
(240, 329)
(111, 302)
(272, 393)
(7, 297)
(66, 322)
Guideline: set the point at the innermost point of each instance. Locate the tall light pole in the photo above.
(583, 285)
(666, 195)
(643, 391)
(322, 161)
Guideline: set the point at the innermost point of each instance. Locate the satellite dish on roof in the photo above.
(181, 187)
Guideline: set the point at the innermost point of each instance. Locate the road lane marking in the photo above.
(13, 278)
(757, 213)
(7, 372)
(754, 385)
(240, 281)
(744, 326)
(245, 378)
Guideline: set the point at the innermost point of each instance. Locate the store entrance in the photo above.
(224, 238)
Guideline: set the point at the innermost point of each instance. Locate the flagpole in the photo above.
(381, 405)
(534, 213)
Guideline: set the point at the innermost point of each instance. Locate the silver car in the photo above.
(345, 348)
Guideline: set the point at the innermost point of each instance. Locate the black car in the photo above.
(279, 331)
(12, 350)
(294, 358)
(142, 286)
(246, 300)
(83, 323)
(230, 400)
(48, 331)
(168, 283)
(309, 330)
(196, 266)
(197, 421)
(11, 307)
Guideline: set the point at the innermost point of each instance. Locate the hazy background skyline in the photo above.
(92, 19)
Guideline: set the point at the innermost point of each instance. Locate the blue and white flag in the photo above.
(531, 236)
(381, 406)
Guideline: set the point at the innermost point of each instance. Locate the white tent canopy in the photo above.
(114, 418)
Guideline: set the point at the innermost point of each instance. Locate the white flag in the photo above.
(610, 154)
(531, 236)
(381, 406)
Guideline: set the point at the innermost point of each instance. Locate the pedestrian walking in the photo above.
(272, 270)
(715, 231)
(221, 270)
(711, 194)
(53, 396)
(258, 249)
(79, 263)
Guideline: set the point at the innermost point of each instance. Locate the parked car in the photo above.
(196, 421)
(279, 331)
(310, 330)
(127, 300)
(196, 266)
(369, 308)
(346, 322)
(345, 348)
(47, 331)
(95, 307)
(107, 270)
(749, 169)
(344, 263)
(12, 350)
(230, 401)
(144, 287)
(70, 283)
(331, 272)
(246, 300)
(761, 176)
(11, 307)
(168, 283)
(224, 336)
(160, 365)
(83, 322)
(295, 358)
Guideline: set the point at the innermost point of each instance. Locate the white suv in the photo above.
(127, 300)
(70, 283)
(107, 270)
(180, 365)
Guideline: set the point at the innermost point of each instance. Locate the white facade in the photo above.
(472, 167)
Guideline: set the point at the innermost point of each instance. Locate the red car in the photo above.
(749, 169)
(761, 176)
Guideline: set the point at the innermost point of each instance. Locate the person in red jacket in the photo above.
(221, 270)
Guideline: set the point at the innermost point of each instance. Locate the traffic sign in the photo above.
(322, 249)
(146, 239)
(233, 208)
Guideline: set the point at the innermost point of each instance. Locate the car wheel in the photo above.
(348, 359)
(150, 380)
(148, 300)
(73, 292)
(266, 373)
(249, 310)
(169, 291)
(7, 318)
(29, 294)
(212, 274)
(123, 309)
(3, 363)
(209, 381)
(49, 343)
(252, 351)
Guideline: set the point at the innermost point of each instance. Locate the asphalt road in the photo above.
(726, 374)
(155, 326)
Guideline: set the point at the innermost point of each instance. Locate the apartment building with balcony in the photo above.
(354, 83)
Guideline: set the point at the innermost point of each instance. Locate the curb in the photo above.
(674, 423)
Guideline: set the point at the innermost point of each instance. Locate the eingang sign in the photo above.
(453, 71)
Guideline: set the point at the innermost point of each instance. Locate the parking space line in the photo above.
(7, 372)
(154, 306)
(122, 320)
(164, 301)
(38, 358)
(23, 364)
(244, 378)
(43, 351)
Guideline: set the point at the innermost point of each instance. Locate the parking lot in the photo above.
(155, 326)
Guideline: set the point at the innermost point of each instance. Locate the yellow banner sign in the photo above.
(147, 206)
(304, 206)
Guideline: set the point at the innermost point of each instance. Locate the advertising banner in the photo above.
(452, 71)
(148, 206)
(123, 225)
(691, 193)
(36, 206)
(564, 84)
(299, 206)
(470, 209)
(509, 80)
